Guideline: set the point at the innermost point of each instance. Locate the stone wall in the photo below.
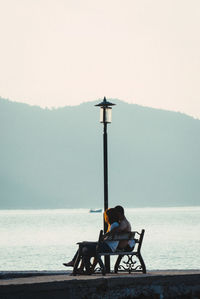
(122, 287)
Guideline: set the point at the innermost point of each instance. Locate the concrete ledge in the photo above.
(21, 274)
(155, 284)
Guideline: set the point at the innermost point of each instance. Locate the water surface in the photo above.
(44, 239)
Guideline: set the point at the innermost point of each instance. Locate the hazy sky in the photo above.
(64, 52)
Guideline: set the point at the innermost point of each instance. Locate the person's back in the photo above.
(124, 226)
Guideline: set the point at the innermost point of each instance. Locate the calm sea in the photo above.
(44, 239)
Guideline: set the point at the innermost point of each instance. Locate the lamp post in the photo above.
(105, 118)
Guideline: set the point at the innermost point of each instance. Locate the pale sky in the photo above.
(64, 52)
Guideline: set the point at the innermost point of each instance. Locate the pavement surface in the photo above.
(32, 277)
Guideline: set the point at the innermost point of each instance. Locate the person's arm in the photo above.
(122, 227)
(113, 229)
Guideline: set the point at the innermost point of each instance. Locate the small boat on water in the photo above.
(95, 210)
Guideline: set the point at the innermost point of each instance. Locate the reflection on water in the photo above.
(44, 239)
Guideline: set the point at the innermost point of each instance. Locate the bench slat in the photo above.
(121, 236)
(118, 253)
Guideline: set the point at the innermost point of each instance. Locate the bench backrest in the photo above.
(134, 235)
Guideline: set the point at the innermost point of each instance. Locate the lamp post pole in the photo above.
(105, 158)
(105, 163)
(105, 118)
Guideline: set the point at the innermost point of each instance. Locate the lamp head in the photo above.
(105, 111)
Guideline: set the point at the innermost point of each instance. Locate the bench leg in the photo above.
(142, 263)
(117, 263)
(103, 269)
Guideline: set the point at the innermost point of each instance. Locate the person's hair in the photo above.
(106, 216)
(106, 219)
(120, 210)
(112, 215)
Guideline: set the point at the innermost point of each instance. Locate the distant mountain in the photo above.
(53, 158)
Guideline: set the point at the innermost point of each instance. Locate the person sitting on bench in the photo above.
(72, 262)
(124, 226)
(89, 250)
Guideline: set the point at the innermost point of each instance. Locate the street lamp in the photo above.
(105, 118)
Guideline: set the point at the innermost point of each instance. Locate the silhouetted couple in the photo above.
(117, 222)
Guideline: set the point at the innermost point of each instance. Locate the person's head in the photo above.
(112, 215)
(120, 211)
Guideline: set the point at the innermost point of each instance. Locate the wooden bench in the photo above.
(133, 259)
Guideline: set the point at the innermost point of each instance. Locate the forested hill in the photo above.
(53, 158)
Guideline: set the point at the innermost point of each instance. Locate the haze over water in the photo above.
(44, 239)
